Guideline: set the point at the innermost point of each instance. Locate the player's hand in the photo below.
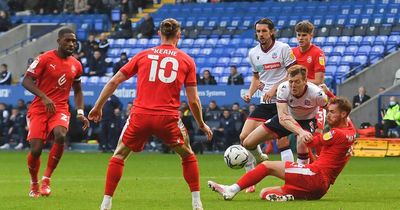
(246, 98)
(207, 131)
(306, 137)
(269, 95)
(95, 115)
(49, 104)
(324, 87)
(84, 120)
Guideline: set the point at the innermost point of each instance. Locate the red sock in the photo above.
(191, 172)
(114, 173)
(56, 152)
(253, 177)
(33, 166)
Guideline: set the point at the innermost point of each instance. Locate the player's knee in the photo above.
(36, 151)
(247, 144)
(242, 137)
(60, 138)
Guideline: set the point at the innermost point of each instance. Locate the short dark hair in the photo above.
(169, 27)
(5, 65)
(343, 104)
(63, 31)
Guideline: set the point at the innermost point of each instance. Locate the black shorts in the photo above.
(274, 126)
(263, 112)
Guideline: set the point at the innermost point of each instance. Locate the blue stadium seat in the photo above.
(244, 70)
(394, 40)
(343, 69)
(119, 43)
(218, 71)
(114, 52)
(212, 61)
(206, 51)
(247, 79)
(378, 50)
(333, 60)
(343, 40)
(364, 50)
(218, 52)
(223, 80)
(223, 61)
(330, 70)
(200, 42)
(361, 60)
(194, 52)
(235, 61)
(235, 42)
(84, 79)
(241, 52)
(248, 42)
(223, 42)
(319, 40)
(211, 42)
(380, 40)
(351, 50)
(200, 61)
(187, 42)
(154, 42)
(327, 50)
(338, 50)
(347, 60)
(131, 42)
(331, 40)
(93, 80)
(368, 40)
(355, 40)
(142, 43)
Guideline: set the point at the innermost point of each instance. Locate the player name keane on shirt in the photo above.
(164, 51)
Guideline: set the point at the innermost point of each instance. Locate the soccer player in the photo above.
(305, 182)
(297, 104)
(50, 78)
(269, 60)
(161, 71)
(313, 58)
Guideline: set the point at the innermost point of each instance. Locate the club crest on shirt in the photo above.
(322, 61)
(307, 102)
(309, 59)
(274, 55)
(327, 136)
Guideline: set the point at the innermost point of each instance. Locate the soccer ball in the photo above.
(236, 156)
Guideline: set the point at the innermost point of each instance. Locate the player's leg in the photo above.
(248, 127)
(302, 152)
(57, 150)
(284, 149)
(190, 165)
(260, 134)
(273, 168)
(33, 159)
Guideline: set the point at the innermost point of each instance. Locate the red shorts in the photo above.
(139, 127)
(42, 124)
(303, 183)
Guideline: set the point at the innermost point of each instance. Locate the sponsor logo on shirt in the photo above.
(309, 59)
(62, 80)
(53, 66)
(272, 66)
(322, 60)
(327, 136)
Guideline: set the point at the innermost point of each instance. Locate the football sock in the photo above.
(311, 155)
(33, 166)
(251, 163)
(191, 172)
(256, 153)
(56, 152)
(114, 173)
(253, 177)
(196, 197)
(302, 158)
(286, 154)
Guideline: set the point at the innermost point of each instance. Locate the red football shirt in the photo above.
(313, 59)
(161, 71)
(54, 77)
(336, 149)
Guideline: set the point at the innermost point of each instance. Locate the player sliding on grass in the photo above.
(50, 78)
(310, 181)
(161, 72)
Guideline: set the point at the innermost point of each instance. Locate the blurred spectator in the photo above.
(391, 118)
(21, 106)
(126, 113)
(125, 7)
(4, 115)
(108, 124)
(5, 75)
(89, 46)
(139, 5)
(361, 97)
(103, 44)
(96, 6)
(238, 114)
(15, 130)
(5, 22)
(228, 129)
(207, 78)
(124, 28)
(252, 107)
(213, 112)
(81, 6)
(235, 78)
(97, 65)
(16, 5)
(3, 5)
(122, 61)
(146, 28)
(69, 6)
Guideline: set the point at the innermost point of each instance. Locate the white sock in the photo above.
(107, 198)
(251, 163)
(45, 177)
(234, 188)
(196, 197)
(303, 162)
(256, 153)
(287, 155)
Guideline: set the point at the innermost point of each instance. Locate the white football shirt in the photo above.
(271, 64)
(306, 106)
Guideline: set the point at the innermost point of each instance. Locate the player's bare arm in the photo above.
(78, 96)
(254, 85)
(96, 113)
(195, 107)
(319, 78)
(287, 121)
(271, 93)
(29, 83)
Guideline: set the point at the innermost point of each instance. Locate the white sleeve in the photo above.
(253, 68)
(288, 56)
(321, 99)
(282, 94)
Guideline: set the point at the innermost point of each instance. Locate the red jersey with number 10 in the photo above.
(313, 59)
(161, 71)
(54, 77)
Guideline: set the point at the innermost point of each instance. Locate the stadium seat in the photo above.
(327, 50)
(240, 52)
(223, 42)
(235, 61)
(356, 40)
(378, 50)
(333, 60)
(223, 61)
(200, 42)
(194, 52)
(338, 50)
(364, 50)
(131, 42)
(347, 60)
(361, 60)
(218, 71)
(206, 51)
(187, 42)
(211, 42)
(330, 70)
(380, 40)
(331, 40)
(368, 40)
(319, 41)
(351, 50)
(343, 40)
(93, 80)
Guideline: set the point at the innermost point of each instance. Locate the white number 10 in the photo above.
(161, 72)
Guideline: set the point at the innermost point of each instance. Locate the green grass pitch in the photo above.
(154, 181)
